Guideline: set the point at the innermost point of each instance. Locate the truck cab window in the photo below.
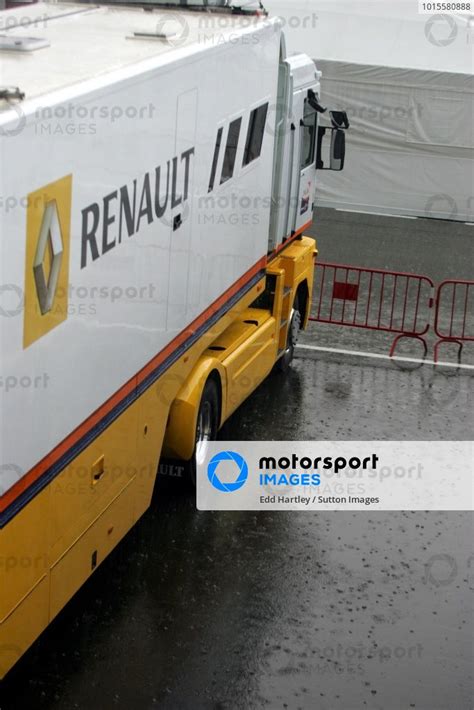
(231, 150)
(309, 127)
(253, 144)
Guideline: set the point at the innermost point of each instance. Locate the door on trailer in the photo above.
(182, 193)
(304, 165)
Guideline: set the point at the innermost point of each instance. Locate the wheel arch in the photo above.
(180, 431)
(302, 296)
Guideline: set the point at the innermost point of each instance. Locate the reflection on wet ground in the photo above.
(337, 397)
(318, 611)
(323, 611)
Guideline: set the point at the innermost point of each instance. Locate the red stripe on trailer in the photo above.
(127, 389)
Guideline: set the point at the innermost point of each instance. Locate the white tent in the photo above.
(406, 81)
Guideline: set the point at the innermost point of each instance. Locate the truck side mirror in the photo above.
(339, 119)
(336, 150)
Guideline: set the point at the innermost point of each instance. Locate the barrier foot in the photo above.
(408, 335)
(447, 340)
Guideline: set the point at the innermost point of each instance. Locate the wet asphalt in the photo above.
(318, 611)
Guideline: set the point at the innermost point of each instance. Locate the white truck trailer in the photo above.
(157, 176)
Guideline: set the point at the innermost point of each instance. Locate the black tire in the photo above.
(207, 427)
(180, 473)
(284, 362)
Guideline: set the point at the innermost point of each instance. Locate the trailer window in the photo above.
(231, 150)
(309, 127)
(215, 159)
(253, 145)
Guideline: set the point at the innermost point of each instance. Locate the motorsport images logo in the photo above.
(282, 471)
(335, 475)
(240, 465)
(48, 231)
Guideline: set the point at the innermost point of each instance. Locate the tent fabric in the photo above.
(410, 147)
(388, 33)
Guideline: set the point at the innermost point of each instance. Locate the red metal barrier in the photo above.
(376, 299)
(454, 315)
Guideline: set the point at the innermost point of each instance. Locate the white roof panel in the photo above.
(88, 41)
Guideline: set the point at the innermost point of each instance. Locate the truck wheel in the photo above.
(206, 428)
(294, 327)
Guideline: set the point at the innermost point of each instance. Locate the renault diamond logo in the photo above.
(48, 236)
(48, 257)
